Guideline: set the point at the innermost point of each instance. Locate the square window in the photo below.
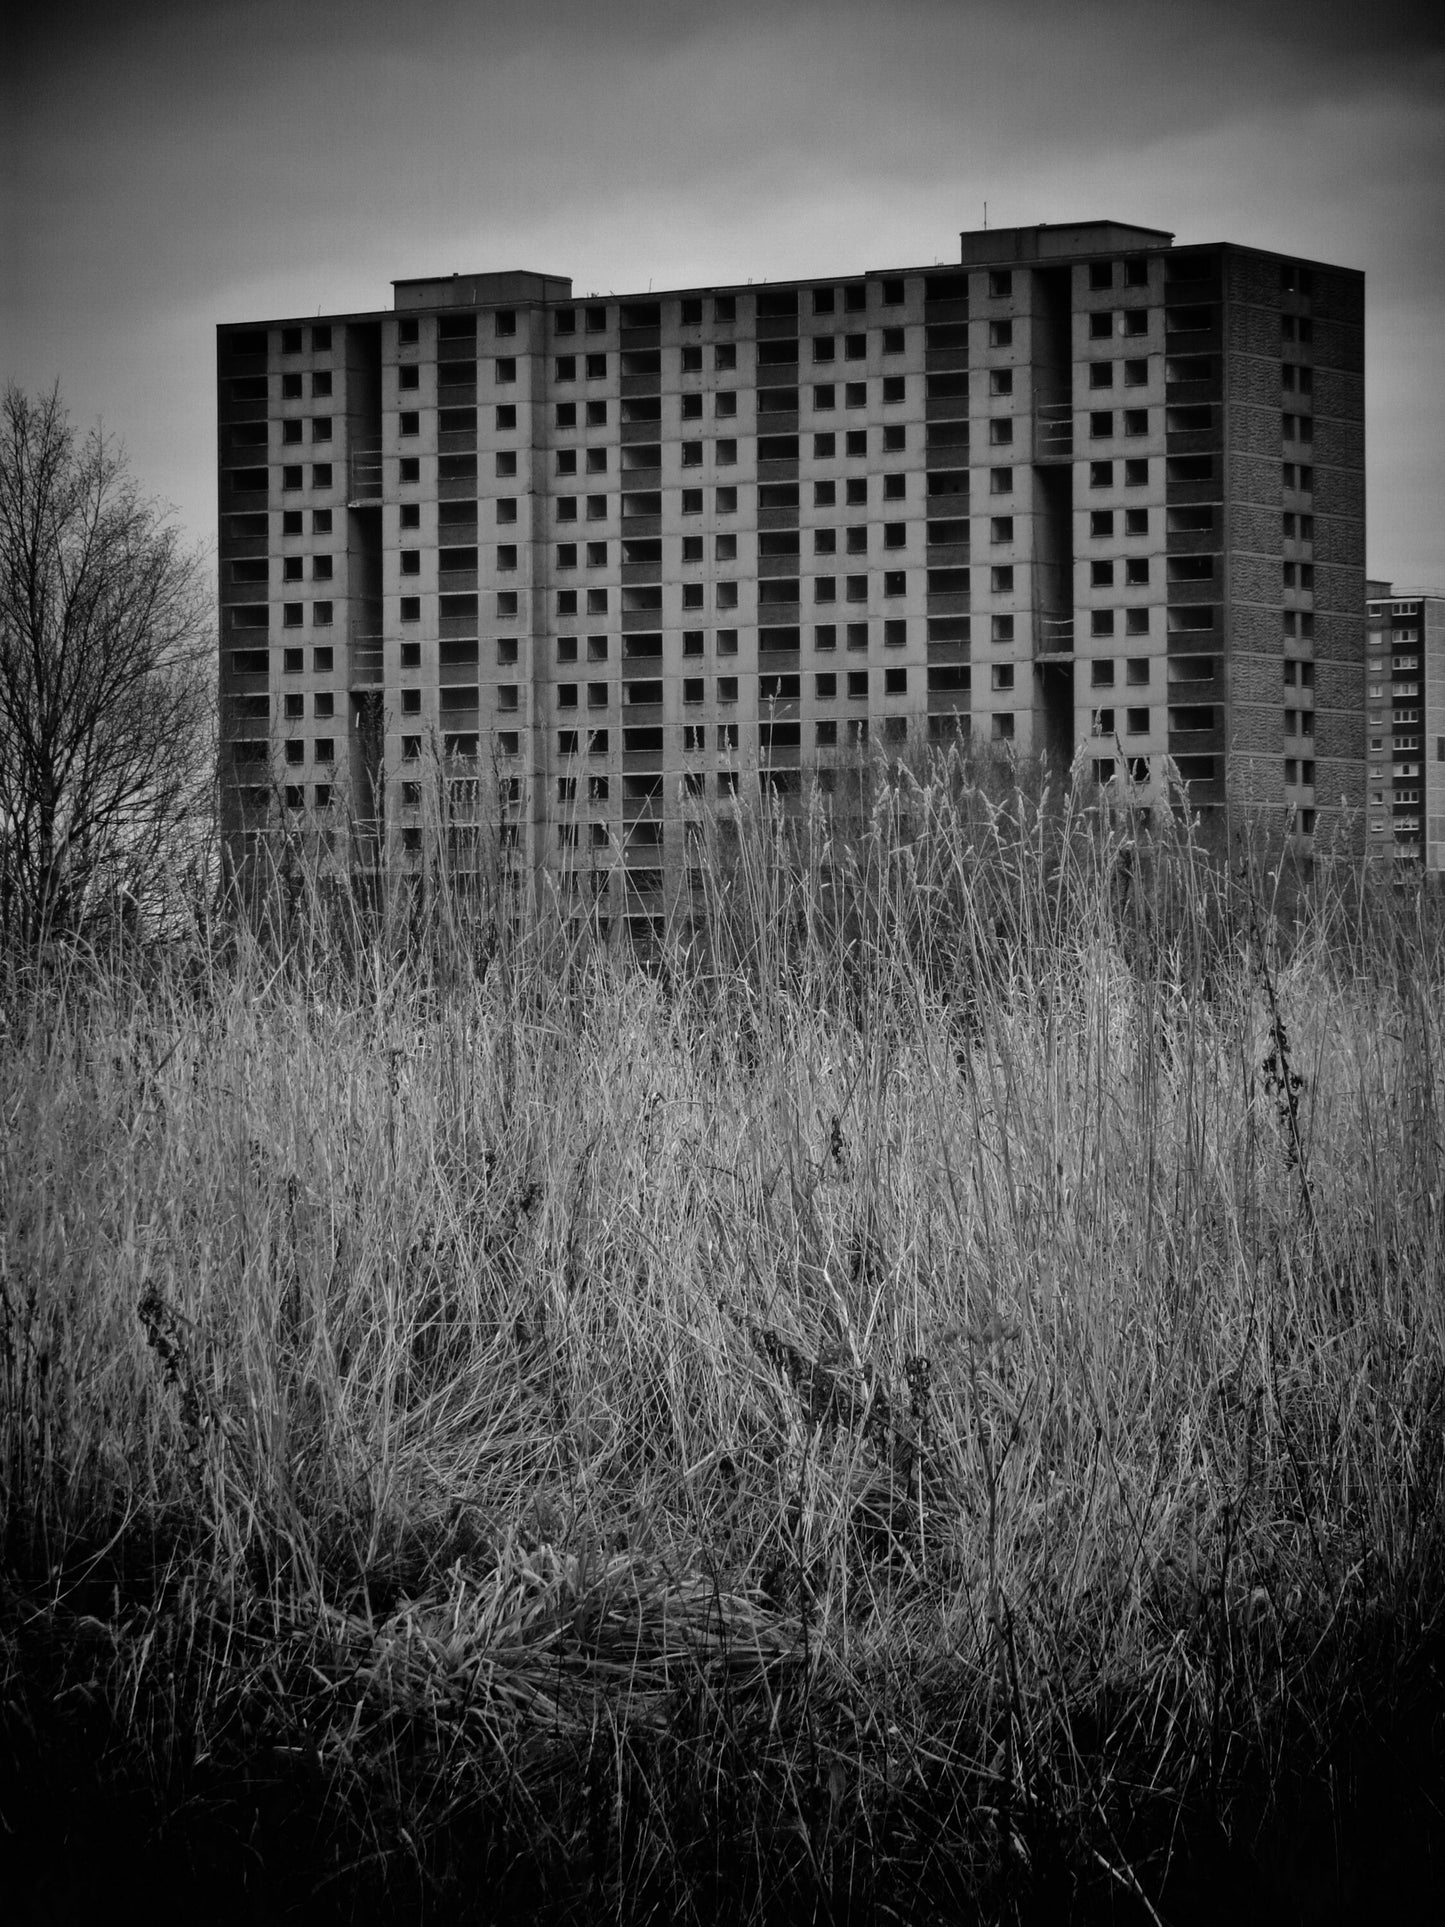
(1001, 528)
(1101, 274)
(596, 461)
(1000, 334)
(1136, 722)
(858, 685)
(1136, 671)
(411, 655)
(1101, 326)
(1101, 523)
(894, 488)
(1136, 421)
(825, 397)
(825, 636)
(291, 388)
(1101, 426)
(895, 682)
(824, 447)
(1136, 473)
(321, 659)
(1000, 481)
(1101, 575)
(1136, 271)
(1001, 580)
(1101, 675)
(291, 477)
(1136, 374)
(596, 508)
(566, 555)
(1136, 571)
(1101, 622)
(1001, 381)
(894, 388)
(1003, 629)
(725, 501)
(725, 356)
(726, 453)
(1000, 433)
(857, 442)
(1101, 374)
(856, 635)
(1136, 622)
(855, 491)
(411, 702)
(596, 414)
(691, 408)
(321, 614)
(825, 494)
(895, 582)
(1101, 475)
(1136, 321)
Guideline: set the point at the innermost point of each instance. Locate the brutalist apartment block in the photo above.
(539, 580)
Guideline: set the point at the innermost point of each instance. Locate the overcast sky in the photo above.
(169, 164)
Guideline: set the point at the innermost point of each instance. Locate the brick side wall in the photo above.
(1340, 588)
(1339, 346)
(1340, 395)
(1339, 538)
(1253, 478)
(1339, 297)
(1254, 378)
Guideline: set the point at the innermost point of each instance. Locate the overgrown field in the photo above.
(935, 1405)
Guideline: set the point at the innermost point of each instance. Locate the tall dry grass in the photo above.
(931, 1398)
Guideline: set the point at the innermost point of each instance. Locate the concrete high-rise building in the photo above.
(572, 568)
(1405, 718)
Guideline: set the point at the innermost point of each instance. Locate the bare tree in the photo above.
(107, 732)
